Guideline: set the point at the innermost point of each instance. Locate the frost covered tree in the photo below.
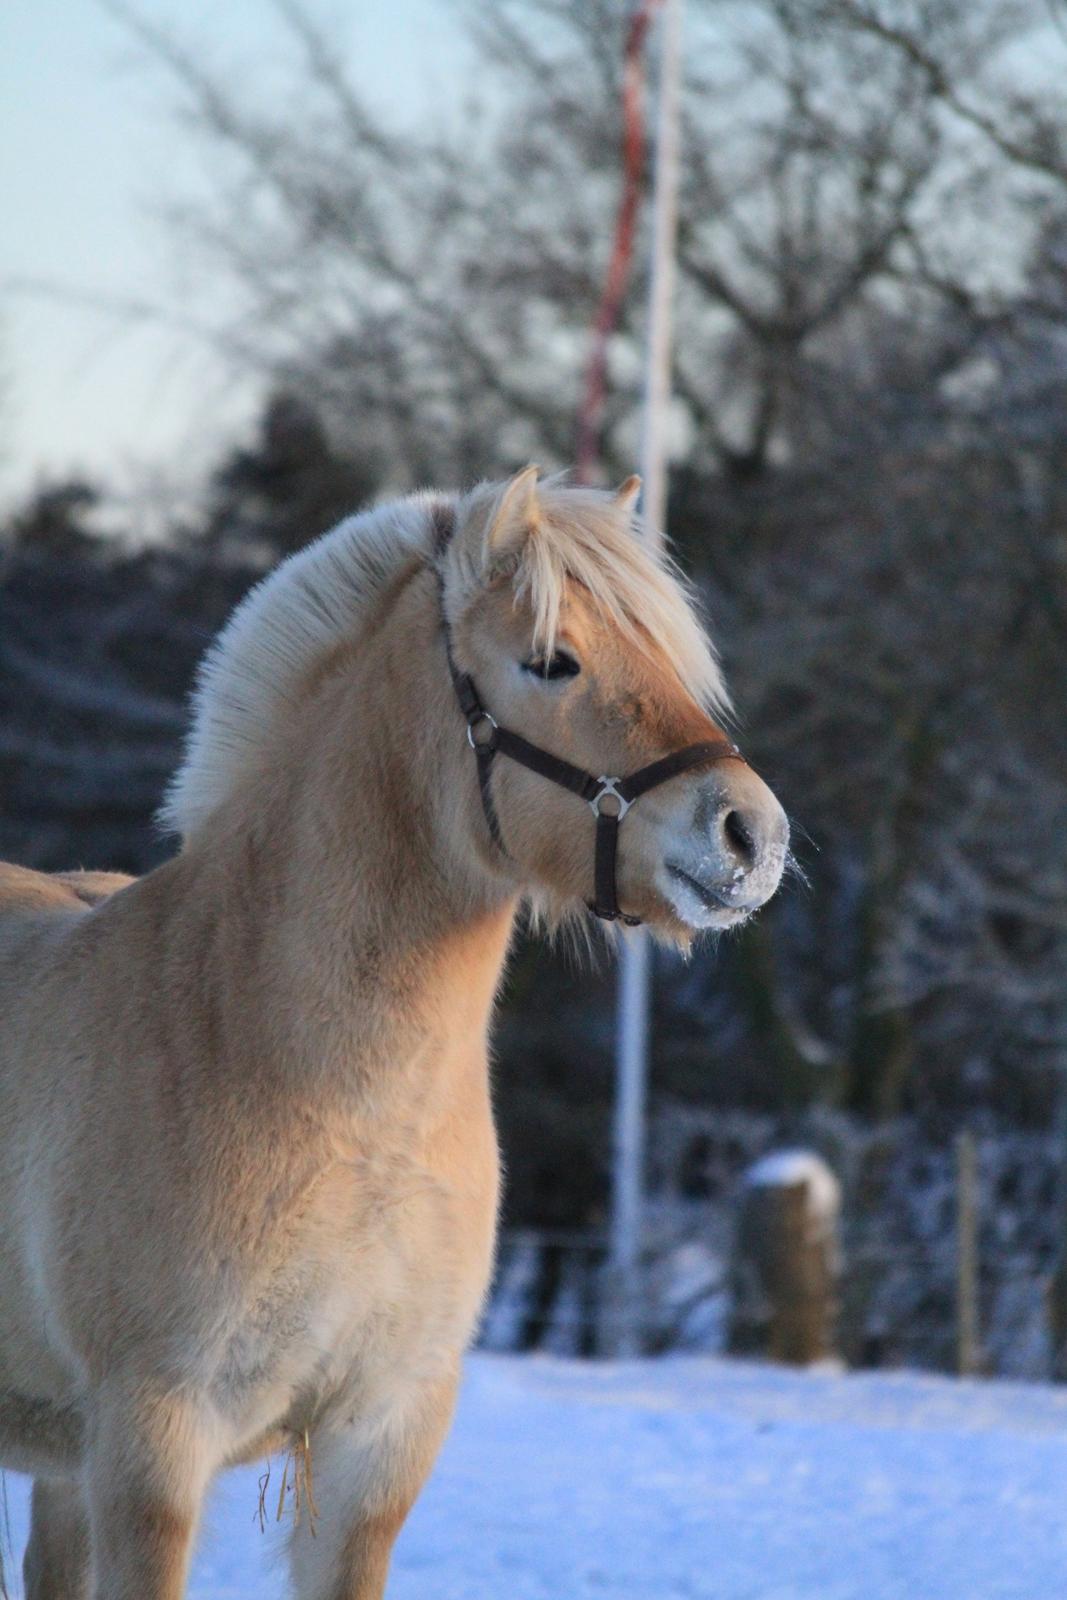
(871, 386)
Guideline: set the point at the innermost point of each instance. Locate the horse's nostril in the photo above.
(739, 837)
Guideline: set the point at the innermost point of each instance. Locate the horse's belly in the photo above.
(29, 1363)
(32, 1360)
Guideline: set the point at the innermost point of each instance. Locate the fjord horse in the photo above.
(248, 1171)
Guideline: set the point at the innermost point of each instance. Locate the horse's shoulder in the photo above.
(23, 889)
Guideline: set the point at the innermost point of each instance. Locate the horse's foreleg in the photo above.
(56, 1564)
(148, 1463)
(364, 1482)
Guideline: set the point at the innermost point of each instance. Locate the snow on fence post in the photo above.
(968, 1343)
(786, 1264)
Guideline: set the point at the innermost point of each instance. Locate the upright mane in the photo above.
(329, 590)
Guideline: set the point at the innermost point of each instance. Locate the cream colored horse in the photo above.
(249, 1176)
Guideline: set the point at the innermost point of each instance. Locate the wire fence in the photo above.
(959, 1302)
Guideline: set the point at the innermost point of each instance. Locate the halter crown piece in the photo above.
(608, 798)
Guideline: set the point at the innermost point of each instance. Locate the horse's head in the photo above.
(580, 641)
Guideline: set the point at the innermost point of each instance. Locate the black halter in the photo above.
(608, 798)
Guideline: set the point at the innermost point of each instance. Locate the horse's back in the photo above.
(24, 890)
(30, 899)
(41, 972)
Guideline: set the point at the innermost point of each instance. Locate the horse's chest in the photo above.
(381, 1282)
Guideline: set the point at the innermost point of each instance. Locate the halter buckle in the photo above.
(477, 721)
(609, 786)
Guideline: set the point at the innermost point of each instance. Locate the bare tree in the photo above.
(872, 390)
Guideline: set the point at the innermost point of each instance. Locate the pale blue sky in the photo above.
(85, 144)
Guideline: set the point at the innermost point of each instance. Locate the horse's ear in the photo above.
(628, 494)
(515, 518)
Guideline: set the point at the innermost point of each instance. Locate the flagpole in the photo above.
(627, 1332)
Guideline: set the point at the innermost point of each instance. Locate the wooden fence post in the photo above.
(1056, 1302)
(968, 1340)
(786, 1263)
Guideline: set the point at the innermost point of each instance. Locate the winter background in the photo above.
(266, 262)
(706, 1480)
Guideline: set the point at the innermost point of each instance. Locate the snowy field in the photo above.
(695, 1478)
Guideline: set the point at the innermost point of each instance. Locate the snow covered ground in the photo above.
(692, 1478)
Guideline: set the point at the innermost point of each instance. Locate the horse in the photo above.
(249, 1174)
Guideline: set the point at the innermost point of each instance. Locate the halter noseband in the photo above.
(609, 799)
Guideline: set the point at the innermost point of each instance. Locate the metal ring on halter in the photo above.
(484, 744)
(609, 786)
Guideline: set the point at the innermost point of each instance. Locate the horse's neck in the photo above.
(360, 927)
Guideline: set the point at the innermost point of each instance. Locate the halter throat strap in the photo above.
(608, 798)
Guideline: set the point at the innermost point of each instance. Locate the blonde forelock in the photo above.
(583, 537)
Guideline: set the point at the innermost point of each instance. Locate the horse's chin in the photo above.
(693, 910)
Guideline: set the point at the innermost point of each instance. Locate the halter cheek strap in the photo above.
(608, 798)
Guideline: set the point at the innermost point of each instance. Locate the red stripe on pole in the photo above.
(591, 414)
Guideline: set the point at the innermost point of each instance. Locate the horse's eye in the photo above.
(558, 665)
